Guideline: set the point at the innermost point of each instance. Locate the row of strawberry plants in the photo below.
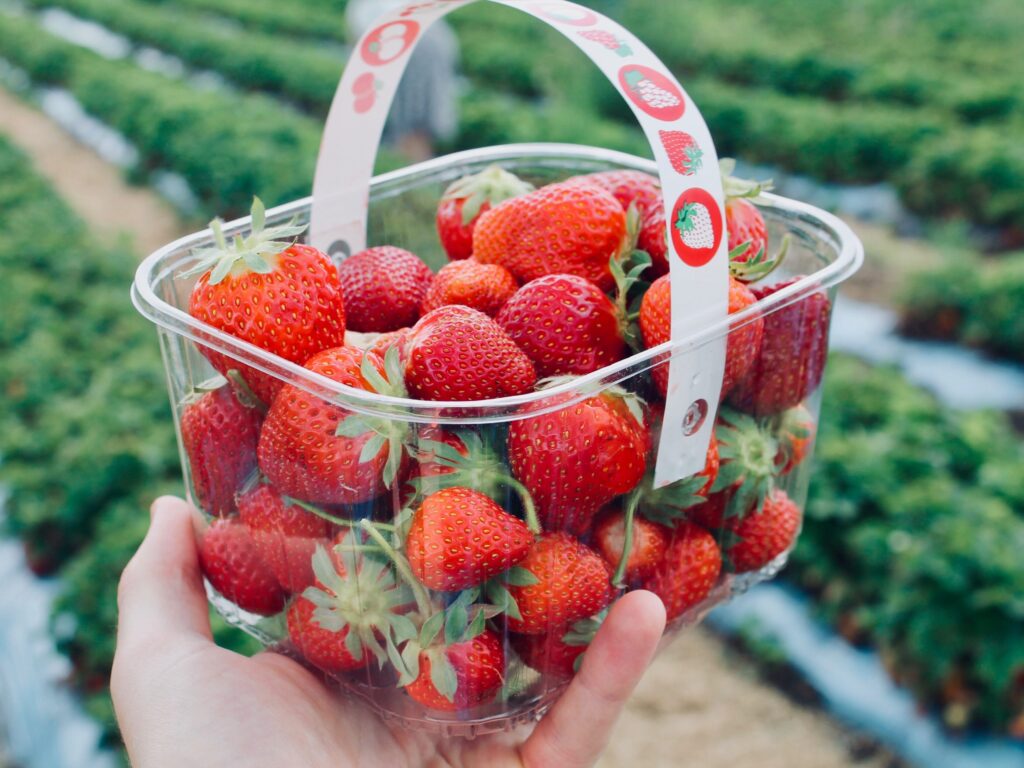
(311, 18)
(912, 542)
(969, 300)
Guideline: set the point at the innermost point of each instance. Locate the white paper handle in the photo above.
(670, 120)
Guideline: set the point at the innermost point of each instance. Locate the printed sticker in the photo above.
(388, 42)
(608, 40)
(652, 92)
(365, 90)
(696, 226)
(683, 152)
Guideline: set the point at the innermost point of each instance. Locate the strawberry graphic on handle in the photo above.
(652, 92)
(608, 40)
(683, 152)
(696, 226)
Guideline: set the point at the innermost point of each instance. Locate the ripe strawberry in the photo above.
(791, 361)
(485, 287)
(458, 353)
(745, 225)
(747, 232)
(578, 458)
(322, 453)
(750, 465)
(796, 436)
(689, 570)
(556, 654)
(667, 504)
(561, 228)
(649, 543)
(231, 563)
(653, 239)
(460, 538)
(682, 150)
(219, 434)
(321, 647)
(711, 513)
(256, 286)
(741, 348)
(466, 200)
(386, 341)
(765, 534)
(384, 288)
(572, 583)
(565, 325)
(477, 668)
(628, 187)
(285, 535)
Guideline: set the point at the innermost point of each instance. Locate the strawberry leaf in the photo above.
(403, 628)
(442, 675)
(353, 644)
(405, 675)
(518, 576)
(353, 426)
(431, 628)
(411, 657)
(455, 623)
(370, 450)
(502, 598)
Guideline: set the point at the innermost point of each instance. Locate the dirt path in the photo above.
(93, 188)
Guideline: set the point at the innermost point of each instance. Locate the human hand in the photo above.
(182, 701)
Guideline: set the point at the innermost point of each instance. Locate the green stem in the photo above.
(329, 517)
(627, 538)
(529, 509)
(403, 568)
(244, 392)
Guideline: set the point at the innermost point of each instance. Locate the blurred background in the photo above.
(895, 637)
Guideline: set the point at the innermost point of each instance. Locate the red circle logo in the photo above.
(652, 92)
(566, 13)
(696, 227)
(388, 42)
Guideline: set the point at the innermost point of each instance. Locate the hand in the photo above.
(182, 701)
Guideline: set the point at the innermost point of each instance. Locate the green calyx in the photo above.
(758, 266)
(750, 462)
(628, 275)
(668, 504)
(256, 252)
(734, 187)
(492, 185)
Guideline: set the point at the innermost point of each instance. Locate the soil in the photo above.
(698, 705)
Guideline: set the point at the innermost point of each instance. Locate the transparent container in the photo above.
(365, 533)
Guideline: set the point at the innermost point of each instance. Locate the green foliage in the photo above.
(913, 536)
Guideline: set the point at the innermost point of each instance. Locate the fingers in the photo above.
(576, 730)
(161, 592)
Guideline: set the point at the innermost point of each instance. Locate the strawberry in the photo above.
(571, 582)
(565, 325)
(685, 156)
(648, 546)
(791, 361)
(384, 288)
(285, 535)
(653, 239)
(219, 434)
(576, 459)
(711, 513)
(796, 436)
(750, 465)
(745, 225)
(691, 566)
(231, 563)
(628, 187)
(557, 653)
(568, 228)
(485, 287)
(741, 348)
(458, 353)
(763, 535)
(460, 675)
(322, 453)
(386, 341)
(466, 200)
(354, 609)
(254, 287)
(667, 504)
(459, 538)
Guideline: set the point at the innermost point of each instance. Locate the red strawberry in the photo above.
(384, 288)
(796, 436)
(747, 232)
(561, 228)
(576, 459)
(653, 238)
(385, 341)
(485, 287)
(682, 150)
(466, 200)
(649, 543)
(549, 654)
(323, 648)
(565, 325)
(710, 514)
(573, 582)
(219, 436)
(285, 535)
(231, 563)
(668, 503)
(765, 534)
(628, 187)
(791, 361)
(477, 668)
(745, 224)
(460, 538)
(313, 450)
(689, 570)
(458, 353)
(750, 465)
(253, 287)
(741, 348)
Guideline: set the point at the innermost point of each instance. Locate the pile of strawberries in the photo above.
(450, 560)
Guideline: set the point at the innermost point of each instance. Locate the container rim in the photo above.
(849, 258)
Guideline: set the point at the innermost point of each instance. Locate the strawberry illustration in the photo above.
(324, 454)
(683, 152)
(568, 228)
(689, 570)
(565, 325)
(571, 582)
(219, 434)
(466, 200)
(231, 563)
(693, 223)
(791, 360)
(649, 541)
(458, 353)
(484, 287)
(460, 675)
(285, 535)
(764, 534)
(608, 40)
(383, 288)
(647, 89)
(696, 226)
(253, 285)
(652, 92)
(576, 459)
(460, 538)
(796, 436)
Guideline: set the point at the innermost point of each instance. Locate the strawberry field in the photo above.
(916, 521)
